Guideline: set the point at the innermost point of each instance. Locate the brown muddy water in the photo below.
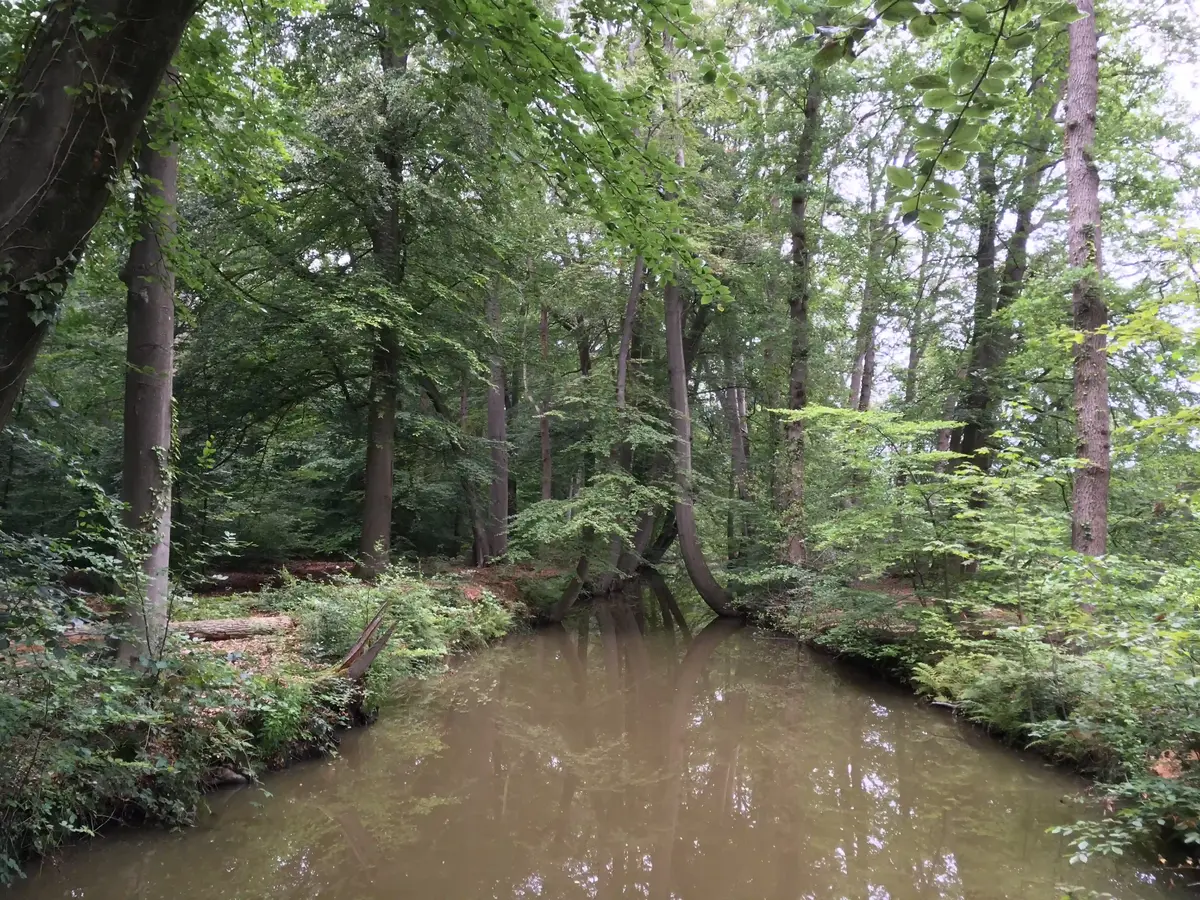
(598, 761)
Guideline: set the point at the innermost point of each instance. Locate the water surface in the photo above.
(616, 758)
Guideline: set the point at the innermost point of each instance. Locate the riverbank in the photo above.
(88, 744)
(1083, 690)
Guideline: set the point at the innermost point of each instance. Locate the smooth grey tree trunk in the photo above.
(71, 115)
(710, 591)
(149, 377)
(497, 432)
(543, 418)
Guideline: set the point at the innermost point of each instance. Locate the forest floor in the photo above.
(253, 593)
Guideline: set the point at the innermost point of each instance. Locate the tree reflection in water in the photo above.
(717, 766)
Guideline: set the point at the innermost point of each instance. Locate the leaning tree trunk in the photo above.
(685, 511)
(710, 591)
(801, 327)
(376, 540)
(497, 432)
(70, 118)
(149, 376)
(1089, 506)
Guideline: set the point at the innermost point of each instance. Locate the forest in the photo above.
(872, 323)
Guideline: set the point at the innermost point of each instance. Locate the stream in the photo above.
(613, 758)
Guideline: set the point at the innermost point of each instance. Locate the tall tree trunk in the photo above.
(990, 340)
(70, 117)
(654, 549)
(685, 512)
(375, 542)
(800, 324)
(497, 432)
(916, 328)
(977, 404)
(386, 228)
(622, 452)
(862, 381)
(732, 399)
(1089, 512)
(149, 376)
(544, 418)
(636, 282)
(678, 366)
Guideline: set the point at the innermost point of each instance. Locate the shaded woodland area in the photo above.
(873, 323)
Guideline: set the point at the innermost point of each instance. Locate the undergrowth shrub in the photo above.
(84, 741)
(431, 619)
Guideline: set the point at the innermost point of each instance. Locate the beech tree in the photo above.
(73, 107)
(149, 378)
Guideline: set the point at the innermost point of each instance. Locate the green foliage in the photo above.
(85, 741)
(432, 619)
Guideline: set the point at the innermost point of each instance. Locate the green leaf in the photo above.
(922, 26)
(929, 81)
(929, 145)
(1065, 13)
(930, 129)
(953, 159)
(1002, 69)
(962, 72)
(829, 54)
(900, 178)
(940, 98)
(945, 189)
(899, 11)
(965, 132)
(930, 219)
(1020, 40)
(992, 85)
(974, 13)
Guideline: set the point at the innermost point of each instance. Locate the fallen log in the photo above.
(201, 629)
(229, 629)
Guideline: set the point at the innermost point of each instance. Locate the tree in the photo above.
(1089, 501)
(72, 110)
(799, 300)
(149, 380)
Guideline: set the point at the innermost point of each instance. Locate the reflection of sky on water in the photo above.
(730, 768)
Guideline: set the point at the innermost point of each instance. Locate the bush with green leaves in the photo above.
(431, 619)
(1091, 660)
(84, 741)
